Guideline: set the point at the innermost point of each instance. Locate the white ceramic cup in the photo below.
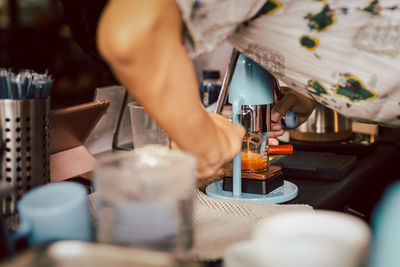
(304, 239)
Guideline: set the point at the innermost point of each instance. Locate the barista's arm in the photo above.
(141, 40)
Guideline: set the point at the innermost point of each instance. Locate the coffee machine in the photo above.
(251, 94)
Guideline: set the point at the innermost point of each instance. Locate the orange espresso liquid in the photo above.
(254, 162)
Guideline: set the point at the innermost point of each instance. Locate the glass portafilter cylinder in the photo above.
(256, 121)
(253, 156)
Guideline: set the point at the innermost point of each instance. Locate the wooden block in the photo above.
(364, 128)
(263, 175)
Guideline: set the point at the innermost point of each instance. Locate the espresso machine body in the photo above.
(252, 87)
(251, 93)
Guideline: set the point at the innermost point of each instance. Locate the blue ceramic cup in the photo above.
(57, 211)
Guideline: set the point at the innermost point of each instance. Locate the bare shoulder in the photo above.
(124, 23)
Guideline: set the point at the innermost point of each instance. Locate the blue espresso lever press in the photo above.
(251, 94)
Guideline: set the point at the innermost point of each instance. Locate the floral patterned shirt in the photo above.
(344, 54)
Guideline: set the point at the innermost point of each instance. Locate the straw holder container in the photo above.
(25, 161)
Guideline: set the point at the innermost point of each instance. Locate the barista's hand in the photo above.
(276, 130)
(227, 143)
(293, 101)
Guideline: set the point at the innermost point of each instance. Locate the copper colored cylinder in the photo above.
(280, 150)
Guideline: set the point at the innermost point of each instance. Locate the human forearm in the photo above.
(171, 101)
(154, 66)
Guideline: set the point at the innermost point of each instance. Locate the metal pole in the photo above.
(227, 80)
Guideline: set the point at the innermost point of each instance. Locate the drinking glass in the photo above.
(145, 198)
(145, 130)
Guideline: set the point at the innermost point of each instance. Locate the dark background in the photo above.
(34, 35)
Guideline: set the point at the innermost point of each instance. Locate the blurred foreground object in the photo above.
(27, 84)
(145, 198)
(299, 239)
(385, 229)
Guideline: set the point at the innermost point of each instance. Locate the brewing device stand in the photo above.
(250, 86)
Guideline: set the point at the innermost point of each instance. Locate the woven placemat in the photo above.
(220, 223)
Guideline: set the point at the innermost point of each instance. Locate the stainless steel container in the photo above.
(323, 125)
(256, 118)
(26, 158)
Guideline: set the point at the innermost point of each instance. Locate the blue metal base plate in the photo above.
(282, 194)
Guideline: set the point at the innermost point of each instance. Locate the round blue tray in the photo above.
(286, 192)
